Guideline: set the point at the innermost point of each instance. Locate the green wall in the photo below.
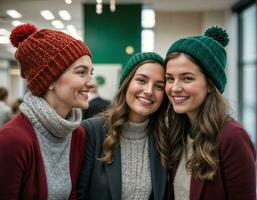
(108, 34)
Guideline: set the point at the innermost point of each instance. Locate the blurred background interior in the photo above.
(116, 29)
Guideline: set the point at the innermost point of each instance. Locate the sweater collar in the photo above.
(134, 131)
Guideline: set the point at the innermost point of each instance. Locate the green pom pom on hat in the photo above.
(208, 50)
(136, 60)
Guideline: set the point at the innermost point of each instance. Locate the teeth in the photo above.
(83, 93)
(180, 98)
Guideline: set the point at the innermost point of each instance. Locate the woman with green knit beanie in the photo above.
(126, 156)
(211, 155)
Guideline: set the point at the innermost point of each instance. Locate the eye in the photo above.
(188, 79)
(159, 86)
(169, 79)
(140, 80)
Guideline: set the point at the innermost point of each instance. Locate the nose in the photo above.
(148, 89)
(90, 83)
(176, 86)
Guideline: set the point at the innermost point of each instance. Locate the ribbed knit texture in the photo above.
(135, 162)
(44, 55)
(138, 58)
(54, 136)
(183, 176)
(208, 52)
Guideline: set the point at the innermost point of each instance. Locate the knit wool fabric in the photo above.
(43, 55)
(54, 136)
(135, 162)
(138, 58)
(208, 52)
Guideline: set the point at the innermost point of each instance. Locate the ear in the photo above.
(209, 88)
(51, 87)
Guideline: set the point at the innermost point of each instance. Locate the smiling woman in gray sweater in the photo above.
(126, 150)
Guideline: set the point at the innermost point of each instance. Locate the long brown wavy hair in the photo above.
(212, 115)
(117, 114)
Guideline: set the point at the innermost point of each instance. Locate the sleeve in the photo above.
(12, 165)
(87, 165)
(238, 163)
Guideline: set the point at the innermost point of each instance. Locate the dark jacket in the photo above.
(103, 182)
(235, 178)
(96, 106)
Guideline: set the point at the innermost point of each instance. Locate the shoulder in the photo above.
(93, 122)
(17, 138)
(17, 129)
(233, 131)
(233, 137)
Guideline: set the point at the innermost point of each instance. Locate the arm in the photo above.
(87, 165)
(12, 164)
(238, 163)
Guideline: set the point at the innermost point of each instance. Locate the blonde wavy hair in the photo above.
(210, 119)
(117, 115)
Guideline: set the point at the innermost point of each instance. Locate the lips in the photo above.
(145, 101)
(180, 99)
(84, 94)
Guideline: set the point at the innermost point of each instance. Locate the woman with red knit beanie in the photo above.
(41, 149)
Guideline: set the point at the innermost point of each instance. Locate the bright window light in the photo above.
(147, 40)
(47, 14)
(57, 24)
(148, 18)
(4, 32)
(14, 14)
(4, 40)
(65, 15)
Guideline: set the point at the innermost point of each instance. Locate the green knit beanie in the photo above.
(208, 50)
(137, 59)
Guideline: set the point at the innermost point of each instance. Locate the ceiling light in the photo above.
(47, 14)
(99, 8)
(57, 24)
(64, 14)
(16, 23)
(14, 14)
(68, 1)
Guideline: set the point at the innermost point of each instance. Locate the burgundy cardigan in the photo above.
(22, 173)
(235, 178)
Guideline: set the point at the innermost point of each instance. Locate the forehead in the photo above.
(182, 64)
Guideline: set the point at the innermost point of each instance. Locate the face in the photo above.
(145, 91)
(186, 85)
(72, 88)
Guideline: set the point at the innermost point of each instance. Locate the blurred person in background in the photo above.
(126, 154)
(211, 154)
(5, 110)
(97, 104)
(42, 148)
(15, 107)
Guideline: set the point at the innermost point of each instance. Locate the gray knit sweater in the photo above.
(135, 162)
(183, 176)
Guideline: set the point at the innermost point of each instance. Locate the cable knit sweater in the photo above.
(135, 166)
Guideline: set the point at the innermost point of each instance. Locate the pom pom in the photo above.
(218, 34)
(20, 33)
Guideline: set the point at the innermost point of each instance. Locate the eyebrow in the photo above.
(183, 74)
(148, 77)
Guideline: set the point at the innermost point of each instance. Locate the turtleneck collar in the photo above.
(134, 131)
(38, 110)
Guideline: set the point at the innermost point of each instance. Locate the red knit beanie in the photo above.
(43, 55)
